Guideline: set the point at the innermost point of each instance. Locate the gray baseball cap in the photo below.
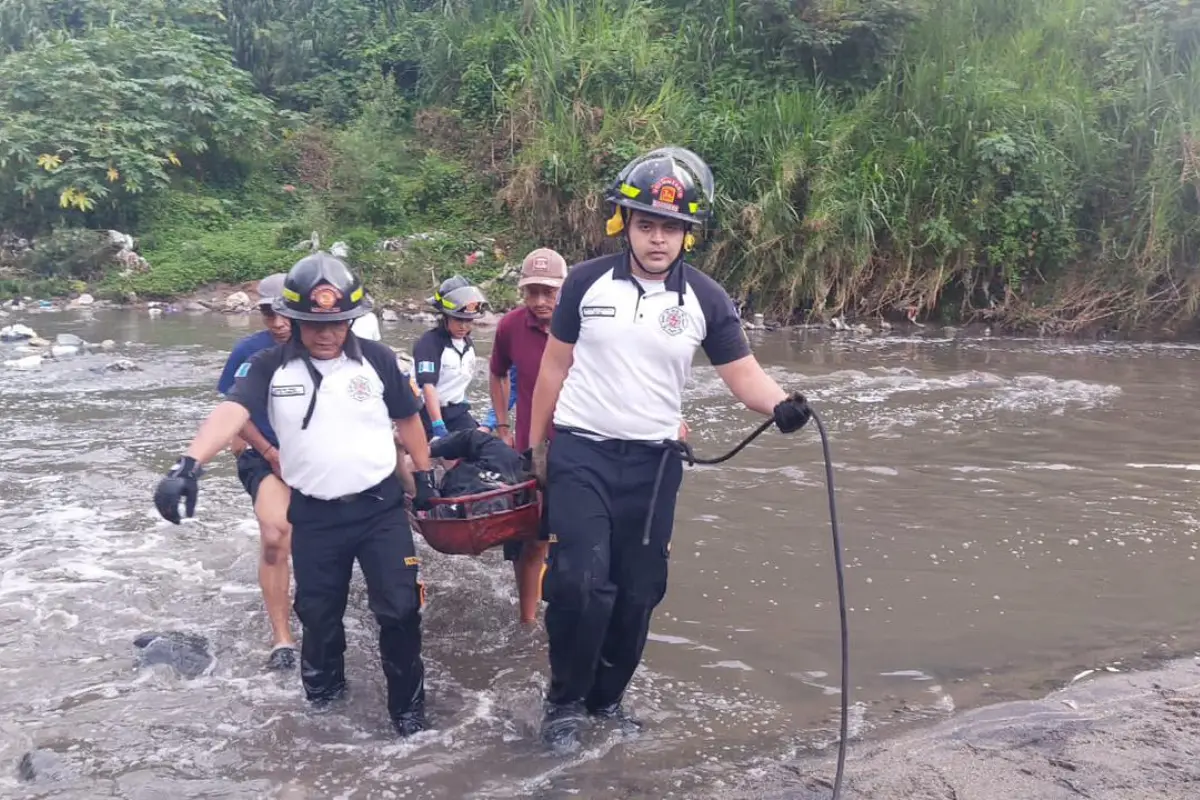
(270, 288)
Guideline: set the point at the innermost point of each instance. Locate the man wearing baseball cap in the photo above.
(520, 339)
(257, 451)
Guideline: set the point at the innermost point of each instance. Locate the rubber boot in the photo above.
(616, 713)
(409, 723)
(560, 727)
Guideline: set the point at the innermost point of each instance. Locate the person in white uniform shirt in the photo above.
(367, 326)
(619, 354)
(445, 358)
(333, 400)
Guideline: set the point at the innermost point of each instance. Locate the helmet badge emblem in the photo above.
(666, 192)
(325, 298)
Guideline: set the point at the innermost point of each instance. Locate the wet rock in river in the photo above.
(238, 301)
(13, 333)
(63, 351)
(38, 341)
(423, 317)
(95, 347)
(69, 340)
(26, 363)
(186, 653)
(121, 365)
(390, 316)
(42, 765)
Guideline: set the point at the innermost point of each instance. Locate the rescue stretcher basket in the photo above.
(480, 525)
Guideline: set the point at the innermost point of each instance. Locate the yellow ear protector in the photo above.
(616, 224)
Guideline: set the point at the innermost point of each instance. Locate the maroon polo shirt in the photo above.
(520, 340)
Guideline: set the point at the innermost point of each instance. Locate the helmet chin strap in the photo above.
(666, 270)
(647, 270)
(633, 256)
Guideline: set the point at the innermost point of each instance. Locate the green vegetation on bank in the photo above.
(1034, 163)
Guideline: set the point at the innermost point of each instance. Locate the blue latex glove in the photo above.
(439, 429)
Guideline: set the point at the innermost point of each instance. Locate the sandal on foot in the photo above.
(282, 658)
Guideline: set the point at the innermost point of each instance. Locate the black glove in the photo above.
(181, 483)
(426, 490)
(792, 414)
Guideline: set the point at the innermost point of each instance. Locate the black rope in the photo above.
(841, 588)
(684, 450)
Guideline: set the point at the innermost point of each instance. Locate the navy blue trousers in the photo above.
(603, 582)
(327, 537)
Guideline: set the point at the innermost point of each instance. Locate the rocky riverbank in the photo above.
(217, 299)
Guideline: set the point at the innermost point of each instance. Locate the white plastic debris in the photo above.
(14, 332)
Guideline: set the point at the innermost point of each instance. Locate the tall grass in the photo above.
(1026, 161)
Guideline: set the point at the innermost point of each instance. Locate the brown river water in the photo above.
(1013, 511)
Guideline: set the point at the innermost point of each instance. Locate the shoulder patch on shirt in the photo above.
(598, 311)
(424, 367)
(411, 561)
(673, 320)
(243, 370)
(293, 390)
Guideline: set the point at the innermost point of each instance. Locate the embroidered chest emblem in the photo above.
(360, 388)
(673, 321)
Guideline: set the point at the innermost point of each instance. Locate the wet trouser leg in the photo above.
(322, 560)
(326, 537)
(639, 571)
(579, 595)
(388, 561)
(603, 583)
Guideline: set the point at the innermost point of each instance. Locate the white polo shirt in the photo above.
(447, 363)
(634, 344)
(347, 446)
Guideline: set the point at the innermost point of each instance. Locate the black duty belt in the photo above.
(372, 492)
(667, 446)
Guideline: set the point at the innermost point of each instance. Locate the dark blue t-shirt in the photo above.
(238, 365)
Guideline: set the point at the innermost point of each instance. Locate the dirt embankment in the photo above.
(1133, 736)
